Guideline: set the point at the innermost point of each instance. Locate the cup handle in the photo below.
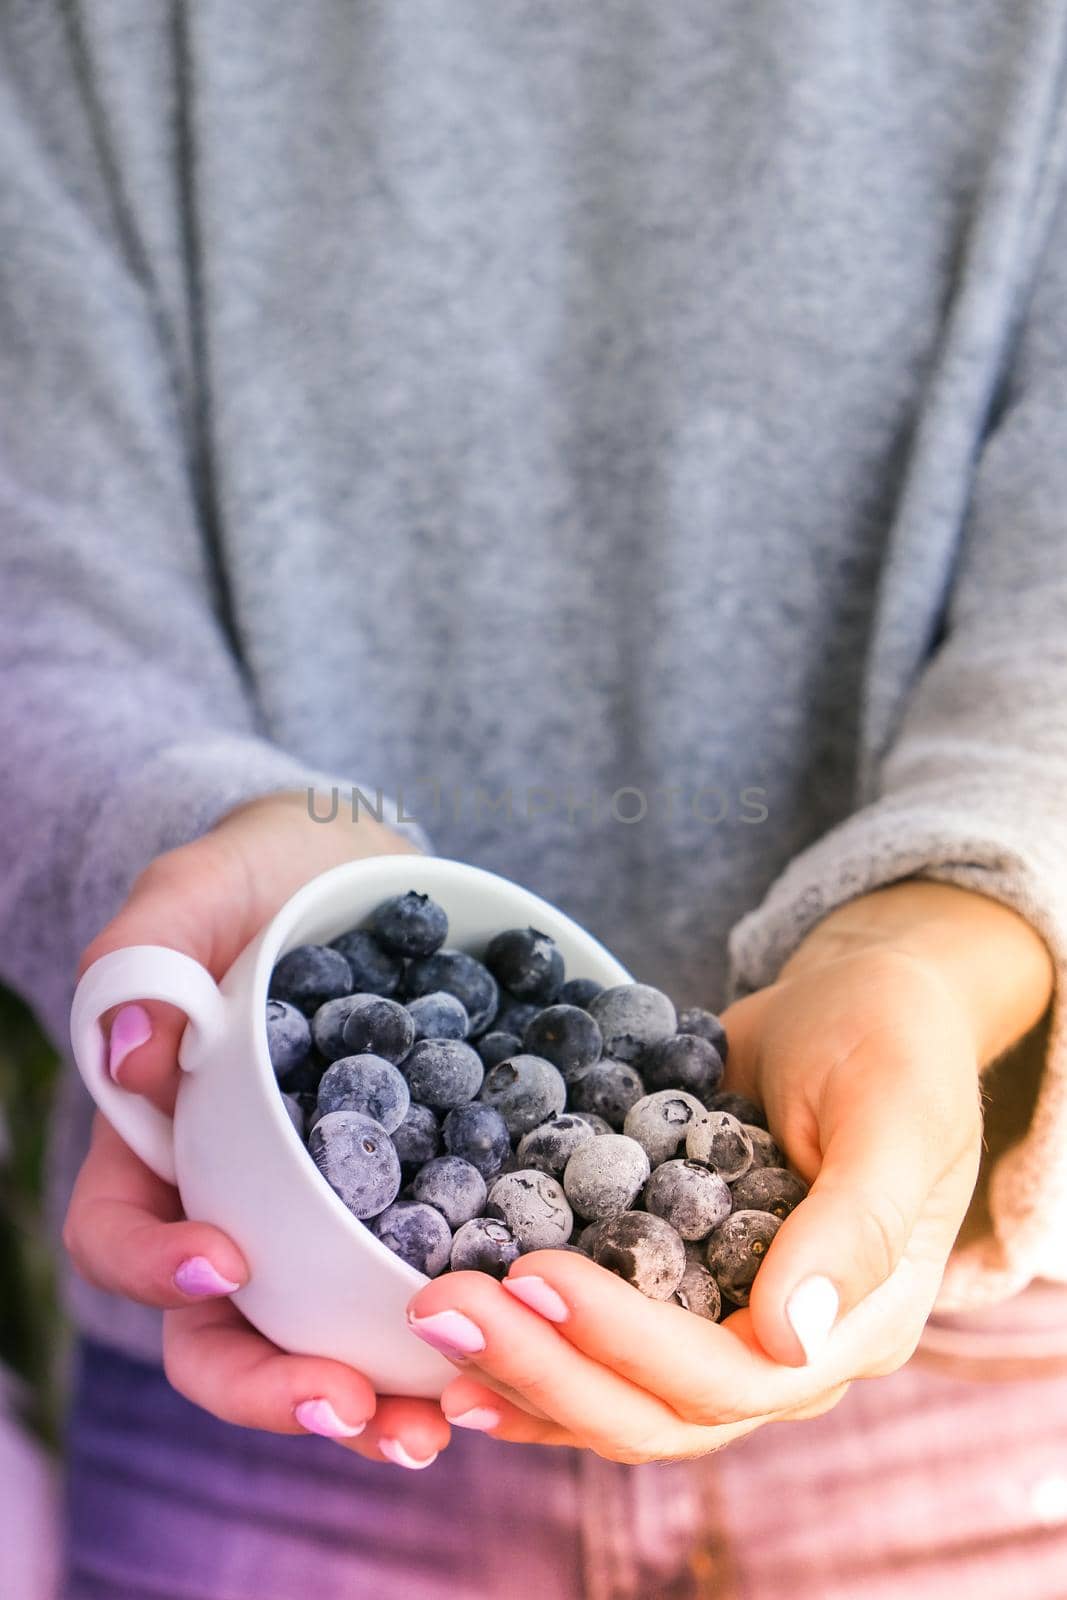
(140, 972)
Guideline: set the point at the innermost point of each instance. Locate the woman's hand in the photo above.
(124, 1227)
(866, 1055)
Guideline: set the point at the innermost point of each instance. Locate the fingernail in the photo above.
(450, 1332)
(539, 1296)
(812, 1310)
(394, 1451)
(196, 1276)
(132, 1026)
(481, 1418)
(318, 1416)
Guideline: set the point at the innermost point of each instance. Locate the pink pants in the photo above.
(945, 1481)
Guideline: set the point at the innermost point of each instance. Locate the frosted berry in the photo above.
(460, 974)
(380, 1027)
(410, 924)
(765, 1153)
(604, 1176)
(368, 1084)
(579, 992)
(309, 976)
(720, 1141)
(706, 1025)
(484, 1245)
(698, 1292)
(374, 969)
(565, 1035)
(496, 1047)
(644, 1250)
(549, 1147)
(659, 1122)
(439, 1016)
(692, 1198)
(288, 1036)
(416, 1233)
(526, 962)
(745, 1110)
(534, 1207)
(480, 1135)
(773, 1189)
(453, 1187)
(356, 1157)
(736, 1249)
(632, 1018)
(442, 1073)
(526, 1091)
(608, 1089)
(684, 1061)
(418, 1138)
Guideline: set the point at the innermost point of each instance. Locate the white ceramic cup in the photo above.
(320, 1282)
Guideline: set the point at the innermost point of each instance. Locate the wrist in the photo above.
(992, 959)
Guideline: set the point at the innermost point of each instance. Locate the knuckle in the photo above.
(711, 1410)
(883, 1235)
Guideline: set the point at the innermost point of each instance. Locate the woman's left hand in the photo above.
(867, 1062)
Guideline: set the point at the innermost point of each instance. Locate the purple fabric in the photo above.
(928, 1483)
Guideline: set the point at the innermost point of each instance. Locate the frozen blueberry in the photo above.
(534, 1207)
(513, 1016)
(632, 1018)
(735, 1251)
(296, 1112)
(453, 1187)
(496, 1047)
(644, 1250)
(309, 976)
(659, 1122)
(586, 1240)
(304, 1077)
(549, 1147)
(706, 1025)
(604, 1176)
(417, 1234)
(773, 1189)
(484, 1244)
(365, 1083)
(410, 925)
(526, 1091)
(356, 1157)
(328, 1026)
(746, 1111)
(692, 1198)
(579, 992)
(720, 1141)
(439, 1016)
(698, 1292)
(418, 1138)
(460, 974)
(374, 970)
(597, 1123)
(443, 1072)
(565, 1035)
(765, 1153)
(480, 1135)
(609, 1089)
(684, 1061)
(288, 1036)
(378, 1027)
(526, 962)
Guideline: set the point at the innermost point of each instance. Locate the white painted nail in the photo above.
(812, 1311)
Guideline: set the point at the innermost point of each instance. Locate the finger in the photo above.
(406, 1432)
(470, 1403)
(123, 1232)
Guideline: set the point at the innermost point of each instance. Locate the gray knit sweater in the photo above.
(652, 412)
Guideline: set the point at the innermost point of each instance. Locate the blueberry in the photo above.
(706, 1025)
(453, 1187)
(692, 1198)
(565, 1035)
(443, 1073)
(586, 1240)
(410, 924)
(608, 1089)
(526, 1091)
(484, 1245)
(579, 992)
(460, 974)
(439, 1016)
(698, 1292)
(632, 1018)
(379, 1027)
(659, 1122)
(374, 970)
(765, 1153)
(772, 1189)
(513, 1016)
(417, 1234)
(526, 962)
(718, 1140)
(534, 1207)
(309, 976)
(296, 1112)
(356, 1157)
(597, 1123)
(746, 1111)
(643, 1250)
(304, 1077)
(684, 1061)
(735, 1251)
(365, 1083)
(418, 1138)
(549, 1147)
(328, 1026)
(604, 1176)
(288, 1036)
(480, 1135)
(496, 1047)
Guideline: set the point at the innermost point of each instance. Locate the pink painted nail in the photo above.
(196, 1276)
(318, 1416)
(394, 1451)
(481, 1418)
(539, 1296)
(132, 1026)
(450, 1332)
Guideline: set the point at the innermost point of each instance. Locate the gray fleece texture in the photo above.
(649, 412)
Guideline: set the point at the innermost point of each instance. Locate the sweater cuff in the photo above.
(898, 838)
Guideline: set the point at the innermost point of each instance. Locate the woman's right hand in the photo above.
(124, 1227)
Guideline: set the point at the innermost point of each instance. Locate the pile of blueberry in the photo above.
(470, 1110)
